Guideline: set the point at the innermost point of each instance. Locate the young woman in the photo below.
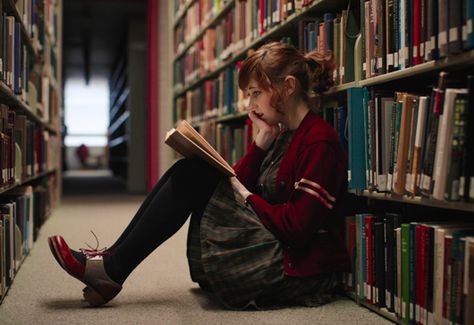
(270, 237)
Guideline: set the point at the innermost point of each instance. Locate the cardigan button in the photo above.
(291, 266)
(282, 183)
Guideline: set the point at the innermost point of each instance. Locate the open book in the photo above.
(189, 143)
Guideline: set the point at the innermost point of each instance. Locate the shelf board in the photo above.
(118, 71)
(119, 122)
(231, 117)
(181, 12)
(7, 188)
(381, 311)
(117, 88)
(10, 8)
(461, 59)
(118, 104)
(340, 88)
(452, 205)
(118, 141)
(19, 106)
(210, 24)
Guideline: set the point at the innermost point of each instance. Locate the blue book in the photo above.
(356, 173)
(470, 22)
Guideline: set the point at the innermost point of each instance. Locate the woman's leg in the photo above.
(173, 169)
(187, 188)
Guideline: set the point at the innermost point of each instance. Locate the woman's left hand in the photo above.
(239, 188)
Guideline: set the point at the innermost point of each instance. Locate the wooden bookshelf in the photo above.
(210, 24)
(126, 134)
(33, 97)
(10, 7)
(423, 74)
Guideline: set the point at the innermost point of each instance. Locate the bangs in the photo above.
(252, 69)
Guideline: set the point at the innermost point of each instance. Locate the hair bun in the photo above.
(321, 70)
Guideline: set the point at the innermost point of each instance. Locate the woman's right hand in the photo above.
(266, 133)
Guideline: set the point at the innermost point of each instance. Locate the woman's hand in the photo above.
(239, 188)
(266, 133)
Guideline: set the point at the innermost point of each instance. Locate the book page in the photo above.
(189, 148)
(187, 129)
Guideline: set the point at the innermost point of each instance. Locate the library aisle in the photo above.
(159, 291)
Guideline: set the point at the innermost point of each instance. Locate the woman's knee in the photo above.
(192, 167)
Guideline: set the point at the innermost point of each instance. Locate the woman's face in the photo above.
(259, 103)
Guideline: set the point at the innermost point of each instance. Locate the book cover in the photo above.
(468, 290)
(356, 139)
(189, 143)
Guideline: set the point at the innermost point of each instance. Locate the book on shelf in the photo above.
(189, 143)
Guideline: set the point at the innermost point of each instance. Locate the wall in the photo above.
(165, 81)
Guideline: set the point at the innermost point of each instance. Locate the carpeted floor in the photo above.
(158, 292)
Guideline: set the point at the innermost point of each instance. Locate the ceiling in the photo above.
(93, 32)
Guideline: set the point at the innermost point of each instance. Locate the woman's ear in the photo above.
(290, 85)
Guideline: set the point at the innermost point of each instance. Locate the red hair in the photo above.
(272, 62)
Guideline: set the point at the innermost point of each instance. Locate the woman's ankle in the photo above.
(112, 271)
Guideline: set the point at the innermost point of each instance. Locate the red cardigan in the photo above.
(311, 182)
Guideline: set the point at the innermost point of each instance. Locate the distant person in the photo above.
(82, 153)
(271, 237)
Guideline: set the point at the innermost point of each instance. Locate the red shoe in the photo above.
(101, 288)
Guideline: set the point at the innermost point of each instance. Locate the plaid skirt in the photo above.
(232, 254)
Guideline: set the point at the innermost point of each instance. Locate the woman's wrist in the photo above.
(264, 140)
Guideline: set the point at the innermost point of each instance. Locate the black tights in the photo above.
(184, 189)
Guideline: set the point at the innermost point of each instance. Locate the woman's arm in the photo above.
(319, 177)
(248, 167)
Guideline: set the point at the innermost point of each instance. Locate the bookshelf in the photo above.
(30, 115)
(408, 61)
(126, 134)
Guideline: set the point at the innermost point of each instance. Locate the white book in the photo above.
(444, 143)
(419, 138)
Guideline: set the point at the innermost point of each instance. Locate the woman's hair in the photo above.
(271, 63)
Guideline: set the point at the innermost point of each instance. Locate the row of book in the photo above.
(26, 149)
(215, 97)
(420, 270)
(249, 19)
(413, 144)
(403, 33)
(325, 34)
(22, 211)
(19, 72)
(199, 14)
(231, 142)
(336, 115)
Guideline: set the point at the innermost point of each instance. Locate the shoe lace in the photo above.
(93, 252)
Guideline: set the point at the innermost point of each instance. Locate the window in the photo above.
(86, 112)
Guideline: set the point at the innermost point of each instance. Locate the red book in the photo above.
(416, 32)
(261, 7)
